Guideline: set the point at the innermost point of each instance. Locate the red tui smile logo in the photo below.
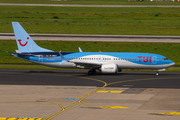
(23, 44)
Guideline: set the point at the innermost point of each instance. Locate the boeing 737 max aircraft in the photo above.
(106, 62)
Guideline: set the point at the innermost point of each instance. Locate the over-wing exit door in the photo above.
(154, 59)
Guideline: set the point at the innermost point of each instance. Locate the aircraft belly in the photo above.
(121, 65)
(57, 64)
(65, 65)
(131, 65)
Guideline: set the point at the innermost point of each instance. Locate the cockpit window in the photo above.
(164, 58)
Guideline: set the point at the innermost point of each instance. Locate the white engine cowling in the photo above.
(109, 68)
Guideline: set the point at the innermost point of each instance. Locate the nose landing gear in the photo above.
(157, 73)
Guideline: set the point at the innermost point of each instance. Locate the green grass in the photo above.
(99, 2)
(170, 50)
(173, 69)
(40, 67)
(82, 20)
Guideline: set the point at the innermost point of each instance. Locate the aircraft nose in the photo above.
(171, 63)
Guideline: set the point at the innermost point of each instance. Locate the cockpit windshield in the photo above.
(164, 58)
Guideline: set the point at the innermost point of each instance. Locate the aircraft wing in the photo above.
(86, 64)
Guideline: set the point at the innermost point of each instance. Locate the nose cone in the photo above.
(171, 63)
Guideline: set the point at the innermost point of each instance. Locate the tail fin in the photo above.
(24, 42)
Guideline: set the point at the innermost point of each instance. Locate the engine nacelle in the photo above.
(109, 68)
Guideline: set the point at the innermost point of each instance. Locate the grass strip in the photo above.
(36, 67)
(89, 20)
(93, 2)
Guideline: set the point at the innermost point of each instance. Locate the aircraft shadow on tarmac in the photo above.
(84, 73)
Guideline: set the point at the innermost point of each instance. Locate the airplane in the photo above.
(105, 62)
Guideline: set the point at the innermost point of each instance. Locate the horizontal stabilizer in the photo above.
(21, 54)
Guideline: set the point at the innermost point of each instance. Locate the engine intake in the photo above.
(109, 68)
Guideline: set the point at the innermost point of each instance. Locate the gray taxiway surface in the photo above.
(97, 38)
(70, 78)
(72, 94)
(79, 5)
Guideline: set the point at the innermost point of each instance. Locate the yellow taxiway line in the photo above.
(110, 91)
(5, 118)
(167, 113)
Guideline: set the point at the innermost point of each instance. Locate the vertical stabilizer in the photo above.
(24, 42)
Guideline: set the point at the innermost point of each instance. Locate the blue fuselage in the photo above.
(123, 60)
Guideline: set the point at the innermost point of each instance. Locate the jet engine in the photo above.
(109, 68)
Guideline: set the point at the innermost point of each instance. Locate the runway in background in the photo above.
(95, 38)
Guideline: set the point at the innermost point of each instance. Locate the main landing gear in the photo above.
(92, 71)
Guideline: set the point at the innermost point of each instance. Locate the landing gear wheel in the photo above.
(157, 73)
(89, 72)
(92, 72)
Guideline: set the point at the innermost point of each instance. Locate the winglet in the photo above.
(80, 49)
(63, 59)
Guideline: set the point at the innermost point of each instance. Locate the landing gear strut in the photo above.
(92, 71)
(157, 73)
